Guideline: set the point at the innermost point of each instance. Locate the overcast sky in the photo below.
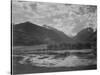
(69, 18)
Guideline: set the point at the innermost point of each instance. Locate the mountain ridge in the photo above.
(27, 31)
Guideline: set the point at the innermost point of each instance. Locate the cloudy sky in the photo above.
(69, 18)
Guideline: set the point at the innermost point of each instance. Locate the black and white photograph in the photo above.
(53, 37)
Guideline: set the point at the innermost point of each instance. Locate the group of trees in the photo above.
(69, 46)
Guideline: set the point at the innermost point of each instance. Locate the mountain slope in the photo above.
(32, 34)
(86, 35)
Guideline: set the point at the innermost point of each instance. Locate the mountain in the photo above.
(31, 34)
(86, 36)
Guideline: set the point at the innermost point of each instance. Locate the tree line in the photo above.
(66, 46)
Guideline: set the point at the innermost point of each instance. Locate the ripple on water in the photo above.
(51, 61)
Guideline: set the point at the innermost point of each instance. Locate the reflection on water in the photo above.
(53, 61)
(46, 60)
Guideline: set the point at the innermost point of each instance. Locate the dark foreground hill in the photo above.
(32, 34)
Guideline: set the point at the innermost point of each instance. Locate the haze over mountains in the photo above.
(31, 34)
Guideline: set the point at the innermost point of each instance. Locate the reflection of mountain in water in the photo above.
(45, 60)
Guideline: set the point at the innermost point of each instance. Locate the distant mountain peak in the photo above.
(90, 29)
(84, 35)
(27, 23)
(49, 27)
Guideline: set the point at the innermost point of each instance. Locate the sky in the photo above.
(68, 18)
